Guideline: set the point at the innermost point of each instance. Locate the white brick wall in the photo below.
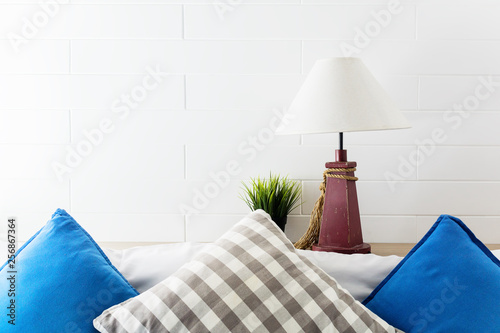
(228, 77)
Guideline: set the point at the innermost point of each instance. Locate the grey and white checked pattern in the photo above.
(251, 281)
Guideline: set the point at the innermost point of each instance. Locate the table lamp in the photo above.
(339, 95)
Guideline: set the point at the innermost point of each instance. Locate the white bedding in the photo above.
(145, 266)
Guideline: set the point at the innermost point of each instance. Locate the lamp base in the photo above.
(361, 248)
(340, 229)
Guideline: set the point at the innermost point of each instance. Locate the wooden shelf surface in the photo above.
(382, 249)
(402, 249)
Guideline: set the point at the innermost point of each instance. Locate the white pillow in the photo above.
(145, 266)
(360, 274)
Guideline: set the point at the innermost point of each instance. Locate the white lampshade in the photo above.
(341, 95)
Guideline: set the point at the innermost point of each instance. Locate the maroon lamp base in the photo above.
(340, 224)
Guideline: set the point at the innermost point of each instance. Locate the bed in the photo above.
(250, 280)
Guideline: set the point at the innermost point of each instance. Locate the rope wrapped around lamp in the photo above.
(311, 236)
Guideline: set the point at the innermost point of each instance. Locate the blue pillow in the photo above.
(449, 282)
(63, 281)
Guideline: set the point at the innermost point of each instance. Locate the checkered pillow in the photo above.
(251, 281)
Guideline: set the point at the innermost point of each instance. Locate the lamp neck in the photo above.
(340, 155)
